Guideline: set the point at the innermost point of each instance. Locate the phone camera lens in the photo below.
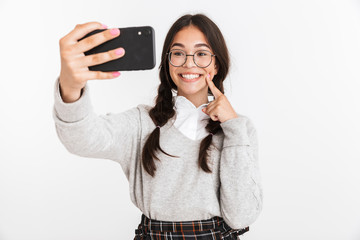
(147, 32)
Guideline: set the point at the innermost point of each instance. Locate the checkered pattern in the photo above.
(214, 228)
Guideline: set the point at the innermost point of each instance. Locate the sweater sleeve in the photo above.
(82, 132)
(240, 187)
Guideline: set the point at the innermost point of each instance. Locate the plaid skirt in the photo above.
(214, 228)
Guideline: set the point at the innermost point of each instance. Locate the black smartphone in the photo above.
(139, 45)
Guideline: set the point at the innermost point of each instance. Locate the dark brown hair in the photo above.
(164, 107)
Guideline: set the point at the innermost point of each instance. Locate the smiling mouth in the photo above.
(190, 77)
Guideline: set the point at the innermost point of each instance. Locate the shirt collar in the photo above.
(189, 120)
(182, 102)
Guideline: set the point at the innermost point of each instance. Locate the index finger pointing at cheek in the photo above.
(216, 92)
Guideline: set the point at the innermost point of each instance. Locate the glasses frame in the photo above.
(193, 55)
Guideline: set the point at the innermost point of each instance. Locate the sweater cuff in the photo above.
(235, 131)
(75, 111)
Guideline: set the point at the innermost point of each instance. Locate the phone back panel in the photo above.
(139, 45)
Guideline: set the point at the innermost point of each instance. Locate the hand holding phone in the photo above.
(75, 65)
(139, 45)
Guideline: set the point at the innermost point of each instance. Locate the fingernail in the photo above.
(119, 51)
(209, 75)
(104, 26)
(116, 74)
(114, 31)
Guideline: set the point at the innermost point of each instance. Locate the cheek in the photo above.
(173, 74)
(172, 70)
(212, 70)
(215, 71)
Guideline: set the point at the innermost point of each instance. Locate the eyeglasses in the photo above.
(202, 58)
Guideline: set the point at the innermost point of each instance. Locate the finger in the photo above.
(215, 91)
(210, 109)
(213, 116)
(98, 58)
(204, 110)
(96, 39)
(92, 75)
(81, 30)
(208, 112)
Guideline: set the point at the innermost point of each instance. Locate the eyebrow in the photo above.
(196, 45)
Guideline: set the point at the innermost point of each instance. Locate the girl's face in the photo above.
(189, 78)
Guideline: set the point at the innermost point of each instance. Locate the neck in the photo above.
(196, 99)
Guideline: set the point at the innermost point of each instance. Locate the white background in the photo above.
(295, 73)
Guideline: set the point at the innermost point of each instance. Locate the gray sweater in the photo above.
(180, 190)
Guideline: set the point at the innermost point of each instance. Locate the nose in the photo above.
(189, 62)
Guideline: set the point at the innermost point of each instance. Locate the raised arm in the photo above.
(110, 136)
(82, 132)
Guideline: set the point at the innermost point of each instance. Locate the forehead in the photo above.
(189, 36)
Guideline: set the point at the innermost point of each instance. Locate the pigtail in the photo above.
(160, 114)
(213, 127)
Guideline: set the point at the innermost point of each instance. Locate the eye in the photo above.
(202, 54)
(177, 53)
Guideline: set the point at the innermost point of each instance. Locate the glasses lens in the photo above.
(202, 58)
(177, 57)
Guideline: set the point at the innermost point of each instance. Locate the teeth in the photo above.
(190, 76)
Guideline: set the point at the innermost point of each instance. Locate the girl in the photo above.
(192, 165)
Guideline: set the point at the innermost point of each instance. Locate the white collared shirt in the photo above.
(191, 121)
